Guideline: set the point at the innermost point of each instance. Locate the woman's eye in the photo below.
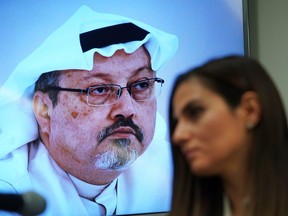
(194, 113)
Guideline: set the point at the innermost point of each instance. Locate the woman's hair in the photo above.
(230, 77)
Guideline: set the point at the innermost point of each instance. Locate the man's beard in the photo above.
(117, 157)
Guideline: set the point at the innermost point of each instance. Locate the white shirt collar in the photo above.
(104, 195)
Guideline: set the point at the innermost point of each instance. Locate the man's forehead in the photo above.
(145, 70)
(134, 61)
(106, 74)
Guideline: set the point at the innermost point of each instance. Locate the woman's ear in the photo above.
(250, 106)
(42, 107)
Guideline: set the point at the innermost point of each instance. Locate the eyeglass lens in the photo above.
(110, 93)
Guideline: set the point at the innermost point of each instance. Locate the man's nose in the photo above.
(124, 106)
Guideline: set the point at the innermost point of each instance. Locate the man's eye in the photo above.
(100, 90)
(140, 86)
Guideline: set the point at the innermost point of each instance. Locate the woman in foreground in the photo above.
(229, 140)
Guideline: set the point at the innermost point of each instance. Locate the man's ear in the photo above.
(250, 106)
(42, 107)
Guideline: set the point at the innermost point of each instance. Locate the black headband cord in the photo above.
(121, 33)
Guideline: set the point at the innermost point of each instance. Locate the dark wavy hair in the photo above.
(230, 77)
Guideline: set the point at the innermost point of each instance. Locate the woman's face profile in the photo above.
(211, 135)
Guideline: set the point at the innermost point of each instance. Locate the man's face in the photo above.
(95, 143)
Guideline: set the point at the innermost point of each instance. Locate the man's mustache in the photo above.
(121, 123)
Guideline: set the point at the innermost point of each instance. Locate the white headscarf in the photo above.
(62, 50)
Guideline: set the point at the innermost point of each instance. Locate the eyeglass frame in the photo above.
(86, 91)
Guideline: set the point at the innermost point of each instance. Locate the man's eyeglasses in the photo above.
(108, 94)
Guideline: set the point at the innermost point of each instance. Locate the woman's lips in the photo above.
(190, 153)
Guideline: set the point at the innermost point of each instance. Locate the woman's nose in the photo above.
(181, 133)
